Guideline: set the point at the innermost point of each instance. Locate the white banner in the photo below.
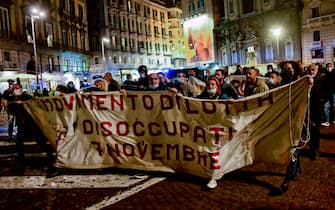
(163, 132)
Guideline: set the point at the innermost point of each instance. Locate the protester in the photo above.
(71, 87)
(228, 90)
(213, 90)
(27, 128)
(98, 85)
(143, 81)
(8, 96)
(196, 83)
(154, 83)
(316, 107)
(253, 84)
(274, 80)
(291, 71)
(111, 84)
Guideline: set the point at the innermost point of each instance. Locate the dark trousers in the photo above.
(39, 138)
(314, 142)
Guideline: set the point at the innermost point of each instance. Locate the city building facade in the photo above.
(258, 31)
(61, 41)
(125, 34)
(318, 31)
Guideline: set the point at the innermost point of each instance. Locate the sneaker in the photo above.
(212, 184)
(139, 175)
(326, 124)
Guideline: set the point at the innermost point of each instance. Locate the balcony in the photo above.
(320, 21)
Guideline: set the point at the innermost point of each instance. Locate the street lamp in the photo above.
(103, 41)
(276, 33)
(35, 14)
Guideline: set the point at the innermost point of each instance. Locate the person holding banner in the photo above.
(155, 83)
(290, 72)
(226, 88)
(212, 90)
(254, 85)
(27, 128)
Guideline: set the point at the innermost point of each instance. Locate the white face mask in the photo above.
(152, 87)
(211, 91)
(17, 92)
(142, 75)
(313, 75)
(56, 93)
(329, 69)
(271, 81)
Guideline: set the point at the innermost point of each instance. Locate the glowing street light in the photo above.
(35, 14)
(103, 40)
(276, 33)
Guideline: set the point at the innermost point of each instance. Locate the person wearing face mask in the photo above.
(143, 81)
(212, 90)
(26, 128)
(274, 80)
(154, 83)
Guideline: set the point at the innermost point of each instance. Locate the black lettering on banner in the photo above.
(166, 102)
(136, 128)
(170, 149)
(207, 109)
(58, 104)
(174, 127)
(122, 128)
(156, 152)
(148, 102)
(47, 104)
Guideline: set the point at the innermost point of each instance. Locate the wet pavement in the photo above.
(247, 188)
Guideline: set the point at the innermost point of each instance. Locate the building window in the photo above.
(76, 66)
(49, 34)
(316, 36)
(201, 4)
(66, 64)
(81, 11)
(315, 12)
(64, 38)
(191, 7)
(317, 53)
(4, 21)
(72, 11)
(82, 41)
(6, 56)
(268, 52)
(247, 6)
(289, 50)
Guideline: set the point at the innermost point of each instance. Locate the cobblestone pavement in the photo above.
(248, 188)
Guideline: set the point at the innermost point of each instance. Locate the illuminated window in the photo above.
(76, 66)
(66, 64)
(49, 33)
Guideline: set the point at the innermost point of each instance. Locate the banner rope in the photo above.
(305, 124)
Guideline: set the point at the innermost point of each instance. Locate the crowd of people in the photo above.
(212, 86)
